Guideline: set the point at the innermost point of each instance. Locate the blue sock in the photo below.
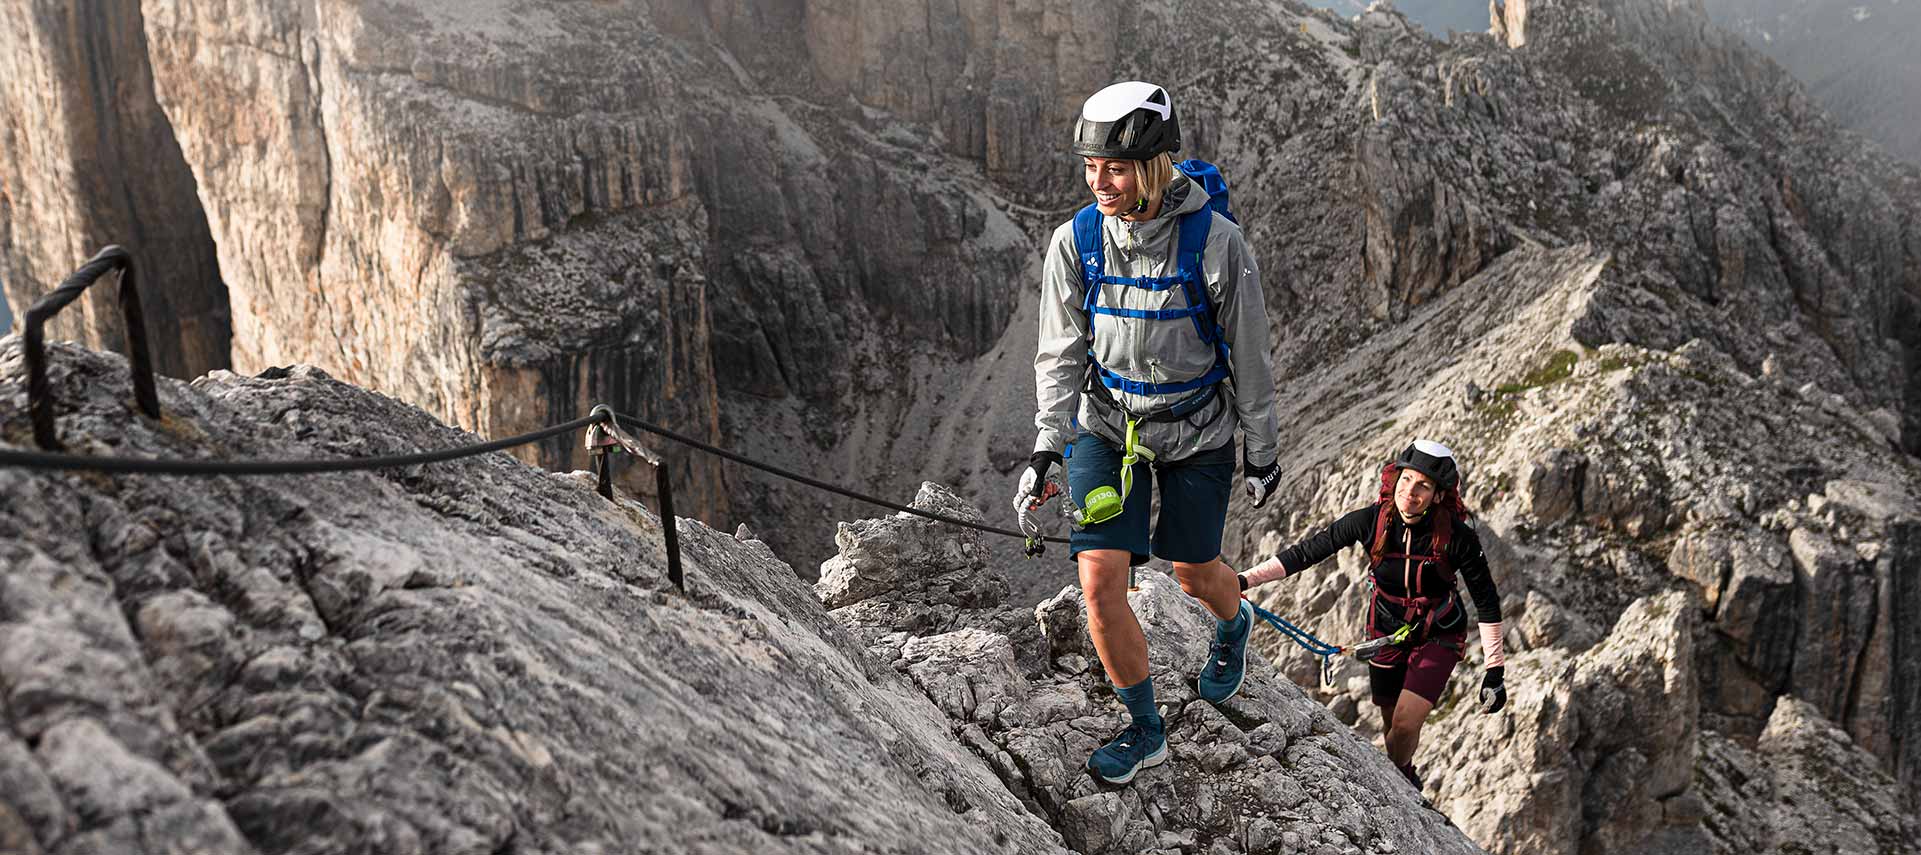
(1231, 627)
(1139, 699)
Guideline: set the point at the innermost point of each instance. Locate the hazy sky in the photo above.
(1855, 56)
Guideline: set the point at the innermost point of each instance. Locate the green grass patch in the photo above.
(1559, 366)
(1498, 407)
(1621, 359)
(1500, 404)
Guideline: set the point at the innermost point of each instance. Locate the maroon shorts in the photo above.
(1423, 670)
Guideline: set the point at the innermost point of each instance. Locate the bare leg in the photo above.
(1110, 620)
(1404, 726)
(1387, 719)
(1213, 584)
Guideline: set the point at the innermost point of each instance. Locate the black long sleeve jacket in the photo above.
(1393, 576)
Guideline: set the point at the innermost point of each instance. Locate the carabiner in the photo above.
(1371, 648)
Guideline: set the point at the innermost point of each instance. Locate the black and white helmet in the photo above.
(1432, 459)
(1129, 121)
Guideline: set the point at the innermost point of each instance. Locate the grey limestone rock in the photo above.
(1804, 785)
(1687, 298)
(1265, 768)
(459, 657)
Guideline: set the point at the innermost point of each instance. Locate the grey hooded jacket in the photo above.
(1156, 351)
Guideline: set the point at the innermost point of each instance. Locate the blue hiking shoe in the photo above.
(1140, 746)
(1226, 661)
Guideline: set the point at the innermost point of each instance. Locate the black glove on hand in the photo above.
(1033, 483)
(1493, 690)
(1260, 480)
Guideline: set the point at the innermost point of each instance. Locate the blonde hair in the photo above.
(1156, 175)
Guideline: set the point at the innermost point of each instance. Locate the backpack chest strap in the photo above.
(1420, 612)
(1142, 387)
(1189, 277)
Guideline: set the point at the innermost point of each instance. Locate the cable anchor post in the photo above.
(33, 338)
(605, 438)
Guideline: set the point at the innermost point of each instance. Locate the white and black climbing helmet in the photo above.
(1432, 459)
(1129, 121)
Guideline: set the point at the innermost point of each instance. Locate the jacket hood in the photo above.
(1184, 196)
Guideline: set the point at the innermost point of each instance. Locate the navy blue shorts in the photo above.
(1194, 494)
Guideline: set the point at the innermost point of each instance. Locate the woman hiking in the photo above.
(1418, 540)
(1153, 349)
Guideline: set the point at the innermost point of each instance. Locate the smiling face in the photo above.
(1116, 184)
(1413, 495)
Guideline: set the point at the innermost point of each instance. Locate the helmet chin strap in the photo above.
(1141, 205)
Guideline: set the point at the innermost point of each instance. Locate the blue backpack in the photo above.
(1200, 311)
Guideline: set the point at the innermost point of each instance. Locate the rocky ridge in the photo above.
(473, 656)
(482, 656)
(1624, 435)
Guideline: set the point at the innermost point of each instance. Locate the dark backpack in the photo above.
(1209, 177)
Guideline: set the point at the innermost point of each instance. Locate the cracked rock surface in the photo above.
(479, 656)
(466, 657)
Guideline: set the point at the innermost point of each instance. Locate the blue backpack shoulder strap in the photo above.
(1088, 245)
(1195, 228)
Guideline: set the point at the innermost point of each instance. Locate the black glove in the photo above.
(1493, 690)
(1260, 480)
(1033, 485)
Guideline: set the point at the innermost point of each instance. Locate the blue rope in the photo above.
(1300, 636)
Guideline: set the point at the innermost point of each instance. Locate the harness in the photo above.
(1417, 608)
(1194, 228)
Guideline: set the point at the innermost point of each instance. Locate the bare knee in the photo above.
(1103, 579)
(1189, 577)
(1196, 578)
(1407, 719)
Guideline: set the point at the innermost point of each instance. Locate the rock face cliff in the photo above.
(1663, 308)
(91, 160)
(506, 213)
